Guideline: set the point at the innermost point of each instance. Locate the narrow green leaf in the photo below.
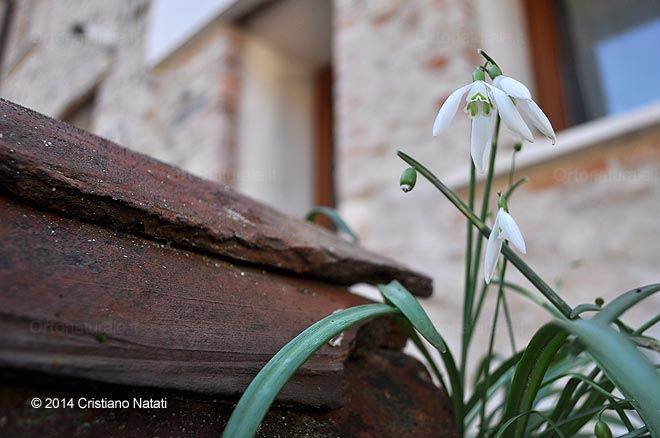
(623, 364)
(260, 394)
(502, 430)
(536, 360)
(646, 342)
(562, 405)
(620, 304)
(495, 376)
(587, 381)
(399, 296)
(648, 324)
(594, 400)
(636, 433)
(335, 217)
(581, 308)
(408, 305)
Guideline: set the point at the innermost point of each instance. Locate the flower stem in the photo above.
(480, 302)
(509, 323)
(469, 296)
(489, 355)
(516, 261)
(485, 201)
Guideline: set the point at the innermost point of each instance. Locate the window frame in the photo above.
(541, 19)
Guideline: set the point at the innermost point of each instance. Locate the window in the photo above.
(172, 22)
(285, 126)
(594, 59)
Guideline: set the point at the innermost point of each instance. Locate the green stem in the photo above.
(523, 267)
(648, 324)
(467, 305)
(505, 304)
(509, 323)
(480, 302)
(484, 202)
(500, 294)
(513, 169)
(513, 187)
(469, 296)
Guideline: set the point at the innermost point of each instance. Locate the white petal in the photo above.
(510, 115)
(493, 248)
(510, 231)
(512, 87)
(448, 109)
(482, 133)
(531, 110)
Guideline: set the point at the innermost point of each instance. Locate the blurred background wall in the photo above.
(304, 102)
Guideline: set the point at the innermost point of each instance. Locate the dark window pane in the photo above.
(611, 51)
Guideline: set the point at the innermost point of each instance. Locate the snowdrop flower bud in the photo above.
(493, 69)
(408, 179)
(501, 202)
(504, 228)
(602, 430)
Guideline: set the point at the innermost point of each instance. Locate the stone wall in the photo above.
(62, 52)
(396, 62)
(589, 218)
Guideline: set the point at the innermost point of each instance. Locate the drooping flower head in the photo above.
(482, 103)
(504, 228)
(507, 98)
(525, 105)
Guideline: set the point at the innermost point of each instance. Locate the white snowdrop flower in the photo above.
(504, 228)
(483, 101)
(525, 105)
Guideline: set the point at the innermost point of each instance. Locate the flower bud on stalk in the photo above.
(408, 179)
(602, 430)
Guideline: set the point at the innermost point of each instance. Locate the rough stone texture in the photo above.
(182, 113)
(395, 62)
(63, 168)
(44, 51)
(85, 301)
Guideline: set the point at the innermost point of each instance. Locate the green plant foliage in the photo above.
(335, 217)
(624, 365)
(567, 381)
(531, 369)
(403, 300)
